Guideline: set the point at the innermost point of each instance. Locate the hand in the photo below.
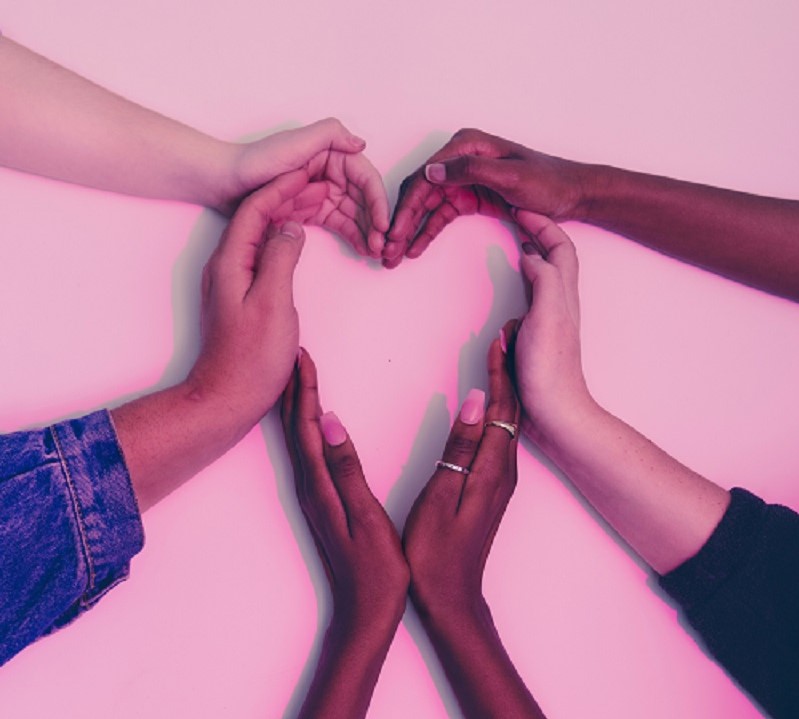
(549, 374)
(355, 207)
(480, 173)
(452, 524)
(250, 327)
(358, 545)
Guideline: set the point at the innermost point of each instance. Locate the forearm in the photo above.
(58, 124)
(664, 511)
(169, 436)
(479, 669)
(352, 656)
(749, 238)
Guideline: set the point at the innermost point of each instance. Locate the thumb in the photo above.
(327, 134)
(494, 173)
(279, 256)
(542, 278)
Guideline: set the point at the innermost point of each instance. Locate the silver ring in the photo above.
(509, 427)
(453, 467)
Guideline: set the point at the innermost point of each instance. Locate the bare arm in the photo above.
(447, 539)
(665, 511)
(56, 123)
(250, 343)
(358, 547)
(749, 238)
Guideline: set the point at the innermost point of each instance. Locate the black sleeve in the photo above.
(741, 594)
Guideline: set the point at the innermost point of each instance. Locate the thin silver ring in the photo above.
(453, 467)
(509, 427)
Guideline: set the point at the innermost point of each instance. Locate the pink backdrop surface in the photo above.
(222, 614)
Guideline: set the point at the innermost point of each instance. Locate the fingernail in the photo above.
(436, 172)
(299, 356)
(503, 341)
(473, 406)
(529, 248)
(358, 141)
(292, 229)
(376, 245)
(332, 429)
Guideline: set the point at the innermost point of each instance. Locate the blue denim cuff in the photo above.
(69, 525)
(106, 516)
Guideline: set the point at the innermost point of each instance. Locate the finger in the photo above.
(233, 263)
(408, 215)
(324, 505)
(349, 207)
(494, 467)
(327, 134)
(287, 416)
(443, 491)
(360, 505)
(449, 205)
(278, 259)
(363, 175)
(336, 221)
(558, 250)
(498, 174)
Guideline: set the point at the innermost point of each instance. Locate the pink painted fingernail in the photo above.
(332, 429)
(473, 407)
(503, 341)
(435, 172)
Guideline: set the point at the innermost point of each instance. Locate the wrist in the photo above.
(370, 632)
(558, 434)
(440, 610)
(219, 186)
(233, 413)
(597, 184)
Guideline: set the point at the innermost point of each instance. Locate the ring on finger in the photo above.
(454, 467)
(509, 427)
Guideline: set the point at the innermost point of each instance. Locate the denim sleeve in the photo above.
(69, 525)
(741, 594)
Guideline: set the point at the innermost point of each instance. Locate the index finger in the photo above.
(318, 494)
(364, 176)
(494, 468)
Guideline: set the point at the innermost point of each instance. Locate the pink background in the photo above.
(221, 615)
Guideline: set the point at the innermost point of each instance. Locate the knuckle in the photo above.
(467, 133)
(345, 467)
(459, 444)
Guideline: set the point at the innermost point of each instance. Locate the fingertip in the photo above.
(435, 172)
(357, 142)
(292, 229)
(473, 407)
(376, 243)
(332, 429)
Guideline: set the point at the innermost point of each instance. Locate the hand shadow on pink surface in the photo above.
(272, 431)
(507, 301)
